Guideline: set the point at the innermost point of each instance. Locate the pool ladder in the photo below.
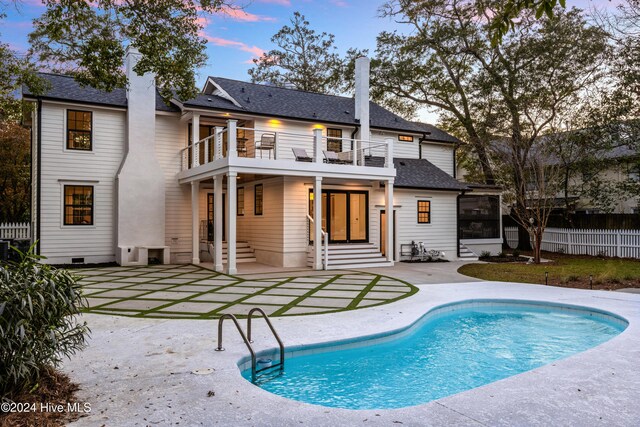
(248, 341)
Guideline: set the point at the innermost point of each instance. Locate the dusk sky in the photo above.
(238, 36)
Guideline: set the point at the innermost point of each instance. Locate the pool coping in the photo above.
(597, 387)
(244, 363)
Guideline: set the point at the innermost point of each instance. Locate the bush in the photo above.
(485, 254)
(37, 322)
(516, 253)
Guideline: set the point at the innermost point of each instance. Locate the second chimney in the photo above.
(362, 96)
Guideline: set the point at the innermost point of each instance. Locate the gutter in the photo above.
(39, 178)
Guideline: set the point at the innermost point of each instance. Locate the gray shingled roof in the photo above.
(282, 102)
(436, 134)
(420, 173)
(65, 88)
(253, 98)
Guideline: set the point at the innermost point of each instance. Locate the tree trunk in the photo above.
(537, 241)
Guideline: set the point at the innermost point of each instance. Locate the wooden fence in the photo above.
(17, 230)
(614, 243)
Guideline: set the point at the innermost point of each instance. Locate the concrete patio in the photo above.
(140, 371)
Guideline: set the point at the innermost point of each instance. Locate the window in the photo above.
(334, 145)
(257, 200)
(78, 205)
(240, 201)
(405, 138)
(479, 217)
(79, 130)
(424, 212)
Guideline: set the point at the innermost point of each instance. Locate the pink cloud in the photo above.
(240, 15)
(218, 41)
(278, 2)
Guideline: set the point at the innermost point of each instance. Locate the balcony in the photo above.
(275, 152)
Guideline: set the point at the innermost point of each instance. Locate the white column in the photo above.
(195, 219)
(317, 145)
(231, 218)
(217, 222)
(217, 143)
(232, 149)
(388, 208)
(195, 137)
(317, 223)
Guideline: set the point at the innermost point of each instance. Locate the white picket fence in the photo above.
(618, 243)
(16, 230)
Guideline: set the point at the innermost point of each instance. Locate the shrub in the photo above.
(485, 254)
(515, 253)
(572, 278)
(501, 254)
(38, 304)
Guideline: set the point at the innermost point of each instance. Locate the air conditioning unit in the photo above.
(4, 250)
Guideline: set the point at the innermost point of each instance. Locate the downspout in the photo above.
(353, 135)
(455, 166)
(39, 177)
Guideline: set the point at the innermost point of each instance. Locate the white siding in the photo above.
(296, 208)
(264, 232)
(440, 234)
(401, 149)
(94, 243)
(171, 137)
(441, 155)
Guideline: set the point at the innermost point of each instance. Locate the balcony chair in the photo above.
(301, 155)
(267, 142)
(334, 158)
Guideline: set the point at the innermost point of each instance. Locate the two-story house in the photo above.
(242, 172)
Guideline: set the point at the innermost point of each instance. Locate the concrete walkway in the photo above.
(140, 371)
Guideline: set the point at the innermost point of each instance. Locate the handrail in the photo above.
(325, 243)
(244, 338)
(273, 331)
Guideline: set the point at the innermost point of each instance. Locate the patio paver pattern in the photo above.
(188, 291)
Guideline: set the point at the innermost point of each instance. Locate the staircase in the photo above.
(244, 252)
(466, 254)
(359, 255)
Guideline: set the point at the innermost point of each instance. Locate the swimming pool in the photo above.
(453, 348)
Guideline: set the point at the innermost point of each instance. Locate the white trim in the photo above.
(222, 93)
(65, 124)
(78, 105)
(85, 183)
(481, 241)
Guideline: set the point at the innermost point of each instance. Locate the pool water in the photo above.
(449, 353)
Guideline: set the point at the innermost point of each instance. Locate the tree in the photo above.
(501, 99)
(504, 19)
(303, 58)
(15, 158)
(15, 71)
(88, 37)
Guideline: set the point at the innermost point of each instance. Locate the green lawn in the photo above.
(564, 270)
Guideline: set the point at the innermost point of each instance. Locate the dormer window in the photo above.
(79, 130)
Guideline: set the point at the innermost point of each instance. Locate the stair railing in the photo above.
(325, 243)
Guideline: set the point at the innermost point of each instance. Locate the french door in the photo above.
(345, 215)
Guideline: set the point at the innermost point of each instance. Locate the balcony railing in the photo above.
(268, 144)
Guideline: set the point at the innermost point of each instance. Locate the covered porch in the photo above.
(243, 222)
